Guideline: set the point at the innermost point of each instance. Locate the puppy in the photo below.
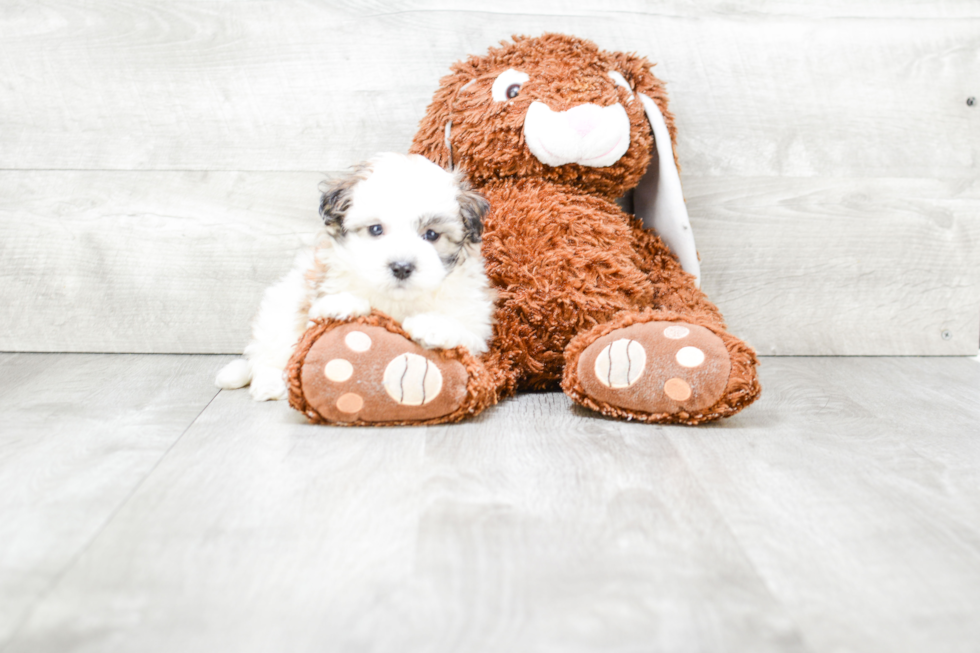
(401, 235)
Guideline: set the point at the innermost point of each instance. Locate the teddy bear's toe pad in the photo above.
(366, 373)
(656, 367)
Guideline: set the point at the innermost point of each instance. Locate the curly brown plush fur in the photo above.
(569, 265)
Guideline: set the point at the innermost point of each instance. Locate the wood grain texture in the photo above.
(78, 436)
(145, 262)
(176, 262)
(534, 528)
(828, 153)
(854, 490)
(804, 266)
(549, 529)
(840, 512)
(681, 8)
(287, 530)
(775, 89)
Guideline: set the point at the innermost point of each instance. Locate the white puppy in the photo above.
(402, 236)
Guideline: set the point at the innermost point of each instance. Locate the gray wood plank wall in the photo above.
(159, 161)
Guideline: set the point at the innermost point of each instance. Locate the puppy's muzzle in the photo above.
(401, 270)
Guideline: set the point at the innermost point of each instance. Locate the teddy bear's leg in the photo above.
(366, 371)
(660, 366)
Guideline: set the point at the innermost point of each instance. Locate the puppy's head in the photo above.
(400, 223)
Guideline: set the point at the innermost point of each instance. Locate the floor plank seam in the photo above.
(43, 596)
(748, 559)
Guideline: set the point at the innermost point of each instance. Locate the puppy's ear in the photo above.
(472, 209)
(337, 196)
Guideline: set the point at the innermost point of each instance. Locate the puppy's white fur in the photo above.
(444, 301)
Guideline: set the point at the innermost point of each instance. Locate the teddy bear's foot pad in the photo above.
(656, 367)
(363, 374)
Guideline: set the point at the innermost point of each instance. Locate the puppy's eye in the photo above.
(431, 235)
(376, 230)
(508, 85)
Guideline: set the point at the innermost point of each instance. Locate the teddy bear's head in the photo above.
(554, 107)
(557, 108)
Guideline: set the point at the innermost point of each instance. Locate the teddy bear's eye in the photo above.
(508, 85)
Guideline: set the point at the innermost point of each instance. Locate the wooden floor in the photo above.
(142, 510)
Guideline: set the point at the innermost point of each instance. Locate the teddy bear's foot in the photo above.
(367, 372)
(655, 371)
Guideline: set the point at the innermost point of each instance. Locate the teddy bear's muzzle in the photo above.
(587, 134)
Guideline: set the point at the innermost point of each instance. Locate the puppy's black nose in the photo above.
(401, 269)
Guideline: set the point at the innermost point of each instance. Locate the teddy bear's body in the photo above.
(552, 130)
(562, 262)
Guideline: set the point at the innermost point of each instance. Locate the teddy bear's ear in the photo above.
(433, 139)
(658, 199)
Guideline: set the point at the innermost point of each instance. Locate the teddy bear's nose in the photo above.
(584, 118)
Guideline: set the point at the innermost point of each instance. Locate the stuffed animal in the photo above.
(552, 131)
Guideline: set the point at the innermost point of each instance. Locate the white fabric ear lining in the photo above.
(658, 199)
(449, 125)
(449, 143)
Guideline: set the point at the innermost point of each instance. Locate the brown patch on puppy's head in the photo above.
(486, 99)
(473, 207)
(336, 198)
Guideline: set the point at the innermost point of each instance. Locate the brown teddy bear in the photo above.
(552, 130)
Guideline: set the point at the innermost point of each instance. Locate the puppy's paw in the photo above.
(435, 331)
(267, 384)
(340, 306)
(234, 375)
